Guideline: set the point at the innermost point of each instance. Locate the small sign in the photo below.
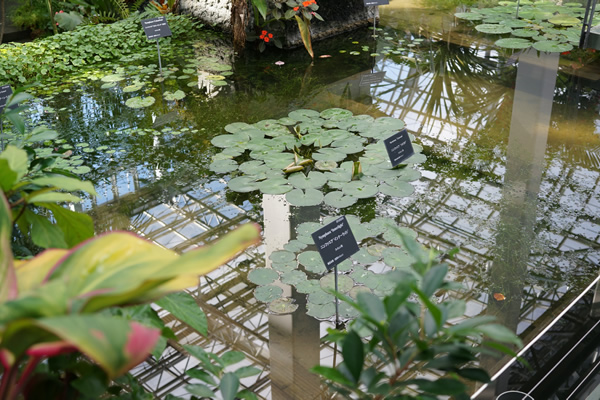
(335, 242)
(5, 93)
(372, 78)
(399, 147)
(155, 28)
(376, 2)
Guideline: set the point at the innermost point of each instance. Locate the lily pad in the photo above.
(320, 297)
(300, 198)
(284, 267)
(524, 33)
(396, 188)
(321, 311)
(276, 185)
(242, 184)
(293, 277)
(337, 199)
(393, 235)
(359, 189)
(358, 289)
(309, 286)
(397, 258)
(564, 20)
(140, 102)
(113, 78)
(133, 88)
(178, 95)
(263, 276)
(336, 114)
(325, 165)
(495, 29)
(312, 261)
(313, 180)
(513, 43)
(469, 16)
(551, 46)
(223, 166)
(268, 293)
(108, 85)
(283, 306)
(345, 283)
(282, 256)
(364, 257)
(225, 141)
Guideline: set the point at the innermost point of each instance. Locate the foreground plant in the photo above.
(411, 351)
(52, 304)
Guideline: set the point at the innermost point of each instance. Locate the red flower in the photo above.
(270, 35)
(296, 8)
(266, 40)
(264, 33)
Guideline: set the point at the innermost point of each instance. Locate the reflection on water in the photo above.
(511, 177)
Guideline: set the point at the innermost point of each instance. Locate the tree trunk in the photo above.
(2, 19)
(239, 11)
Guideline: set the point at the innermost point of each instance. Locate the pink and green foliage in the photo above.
(51, 304)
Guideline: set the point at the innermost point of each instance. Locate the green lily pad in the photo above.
(237, 127)
(397, 258)
(225, 141)
(133, 88)
(293, 277)
(359, 189)
(282, 306)
(469, 16)
(263, 276)
(337, 199)
(358, 289)
(223, 166)
(345, 283)
(312, 261)
(325, 165)
(320, 297)
(309, 286)
(347, 311)
(276, 185)
(308, 197)
(139, 102)
(336, 114)
(113, 78)
(513, 43)
(294, 246)
(388, 124)
(242, 184)
(108, 85)
(314, 180)
(282, 256)
(551, 46)
(268, 293)
(364, 257)
(284, 267)
(564, 20)
(321, 311)
(326, 154)
(393, 235)
(345, 266)
(376, 250)
(494, 29)
(178, 95)
(396, 188)
(525, 33)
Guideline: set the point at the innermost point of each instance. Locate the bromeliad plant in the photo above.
(412, 350)
(52, 304)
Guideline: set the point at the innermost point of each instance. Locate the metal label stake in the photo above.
(337, 300)
(159, 62)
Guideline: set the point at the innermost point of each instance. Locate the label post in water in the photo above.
(335, 242)
(156, 28)
(399, 147)
(5, 93)
(369, 3)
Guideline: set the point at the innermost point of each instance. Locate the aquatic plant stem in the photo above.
(52, 17)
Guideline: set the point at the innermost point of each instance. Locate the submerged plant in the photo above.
(331, 156)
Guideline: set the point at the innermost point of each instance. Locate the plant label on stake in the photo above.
(399, 147)
(335, 242)
(156, 28)
(5, 93)
(372, 78)
(369, 3)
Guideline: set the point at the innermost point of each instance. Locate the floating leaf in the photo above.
(283, 306)
(325, 165)
(336, 114)
(300, 198)
(551, 46)
(469, 16)
(113, 78)
(337, 199)
(312, 261)
(276, 185)
(178, 95)
(321, 311)
(294, 246)
(345, 283)
(359, 189)
(314, 180)
(262, 276)
(308, 286)
(282, 256)
(268, 293)
(139, 102)
(495, 29)
(320, 297)
(513, 43)
(564, 20)
(133, 88)
(223, 166)
(242, 184)
(293, 277)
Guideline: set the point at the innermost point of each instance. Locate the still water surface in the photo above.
(511, 177)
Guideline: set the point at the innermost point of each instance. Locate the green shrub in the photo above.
(88, 44)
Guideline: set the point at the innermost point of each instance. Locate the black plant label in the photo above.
(335, 242)
(155, 28)
(372, 78)
(5, 93)
(399, 147)
(376, 2)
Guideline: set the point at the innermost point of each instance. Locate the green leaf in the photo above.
(232, 357)
(433, 279)
(372, 305)
(68, 21)
(442, 386)
(436, 313)
(8, 280)
(202, 375)
(43, 232)
(65, 183)
(76, 226)
(203, 357)
(332, 374)
(201, 390)
(183, 307)
(354, 355)
(512, 43)
(261, 6)
(474, 374)
(245, 372)
(500, 333)
(52, 197)
(13, 166)
(246, 395)
(229, 386)
(304, 27)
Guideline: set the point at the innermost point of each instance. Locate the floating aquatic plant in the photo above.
(302, 267)
(332, 156)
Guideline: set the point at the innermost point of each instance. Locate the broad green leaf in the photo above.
(304, 27)
(512, 43)
(261, 6)
(204, 358)
(436, 313)
(246, 395)
(65, 183)
(353, 353)
(433, 279)
(441, 386)
(202, 375)
(76, 226)
(30, 273)
(8, 283)
(268, 293)
(52, 197)
(68, 21)
(183, 307)
(232, 357)
(500, 333)
(200, 390)
(372, 305)
(229, 386)
(14, 166)
(496, 29)
(332, 374)
(43, 232)
(114, 343)
(474, 374)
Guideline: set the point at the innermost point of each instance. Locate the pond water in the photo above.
(512, 146)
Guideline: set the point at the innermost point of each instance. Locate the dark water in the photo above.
(511, 177)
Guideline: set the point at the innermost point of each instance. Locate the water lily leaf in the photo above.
(216, 83)
(223, 166)
(564, 20)
(294, 246)
(215, 77)
(237, 127)
(469, 16)
(320, 311)
(276, 185)
(326, 154)
(336, 114)
(282, 256)
(513, 43)
(347, 311)
(337, 199)
(293, 277)
(524, 33)
(220, 67)
(263, 276)
(397, 258)
(133, 88)
(309, 286)
(320, 297)
(113, 78)
(361, 275)
(284, 267)
(308, 197)
(225, 141)
(388, 124)
(242, 184)
(287, 121)
(325, 165)
(314, 180)
(303, 115)
(139, 102)
(282, 306)
(359, 189)
(515, 23)
(551, 46)
(495, 29)
(393, 235)
(277, 161)
(108, 85)
(358, 289)
(272, 128)
(312, 261)
(268, 293)
(396, 188)
(364, 257)
(345, 283)
(305, 230)
(178, 95)
(253, 167)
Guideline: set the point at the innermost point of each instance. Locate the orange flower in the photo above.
(296, 8)
(263, 33)
(270, 35)
(266, 40)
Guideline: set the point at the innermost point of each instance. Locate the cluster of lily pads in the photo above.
(333, 157)
(298, 266)
(541, 24)
(395, 47)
